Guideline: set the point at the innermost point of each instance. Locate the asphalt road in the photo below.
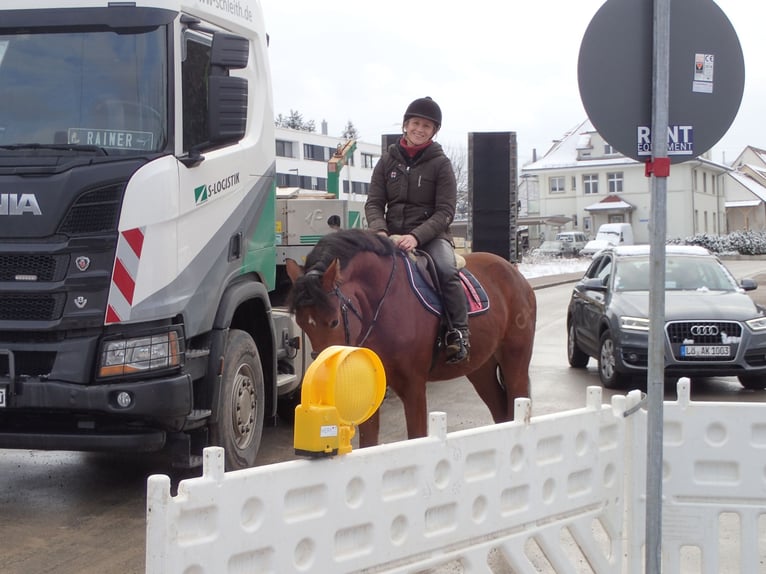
(74, 513)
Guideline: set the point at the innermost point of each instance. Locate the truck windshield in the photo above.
(84, 90)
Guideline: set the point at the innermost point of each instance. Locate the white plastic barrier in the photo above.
(714, 487)
(542, 494)
(536, 494)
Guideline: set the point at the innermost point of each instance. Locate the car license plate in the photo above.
(2, 397)
(705, 350)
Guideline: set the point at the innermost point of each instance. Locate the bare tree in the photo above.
(350, 132)
(459, 158)
(295, 121)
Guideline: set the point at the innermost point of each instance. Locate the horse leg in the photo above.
(514, 366)
(490, 390)
(413, 397)
(369, 430)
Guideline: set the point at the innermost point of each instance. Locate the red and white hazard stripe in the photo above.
(129, 246)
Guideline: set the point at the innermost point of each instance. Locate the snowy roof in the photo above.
(743, 203)
(610, 202)
(563, 154)
(750, 184)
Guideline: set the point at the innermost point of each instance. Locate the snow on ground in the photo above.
(540, 267)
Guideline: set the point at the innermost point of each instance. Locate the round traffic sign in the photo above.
(706, 76)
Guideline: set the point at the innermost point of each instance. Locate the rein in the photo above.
(346, 304)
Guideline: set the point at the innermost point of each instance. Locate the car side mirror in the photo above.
(748, 284)
(592, 284)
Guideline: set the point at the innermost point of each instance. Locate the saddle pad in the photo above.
(477, 301)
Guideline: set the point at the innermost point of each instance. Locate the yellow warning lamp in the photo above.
(342, 388)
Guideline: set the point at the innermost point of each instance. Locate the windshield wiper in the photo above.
(57, 147)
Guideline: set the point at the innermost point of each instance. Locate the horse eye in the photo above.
(333, 323)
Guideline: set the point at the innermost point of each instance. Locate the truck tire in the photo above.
(239, 421)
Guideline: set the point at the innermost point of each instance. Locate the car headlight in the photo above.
(634, 323)
(757, 324)
(139, 354)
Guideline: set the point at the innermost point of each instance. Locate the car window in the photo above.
(632, 275)
(696, 273)
(605, 271)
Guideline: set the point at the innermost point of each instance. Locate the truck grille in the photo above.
(48, 307)
(41, 267)
(96, 211)
(30, 364)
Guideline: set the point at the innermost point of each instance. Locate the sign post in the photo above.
(661, 82)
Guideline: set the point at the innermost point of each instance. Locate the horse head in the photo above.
(315, 302)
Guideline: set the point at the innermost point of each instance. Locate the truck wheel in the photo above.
(240, 405)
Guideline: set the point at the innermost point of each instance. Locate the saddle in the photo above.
(421, 276)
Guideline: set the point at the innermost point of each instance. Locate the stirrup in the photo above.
(457, 349)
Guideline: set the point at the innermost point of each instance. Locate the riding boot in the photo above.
(458, 345)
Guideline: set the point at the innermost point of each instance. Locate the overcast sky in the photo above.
(491, 66)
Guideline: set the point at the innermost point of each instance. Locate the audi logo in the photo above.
(702, 330)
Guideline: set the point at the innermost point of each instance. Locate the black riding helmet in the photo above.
(424, 108)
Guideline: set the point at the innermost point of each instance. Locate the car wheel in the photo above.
(607, 363)
(239, 412)
(575, 356)
(753, 382)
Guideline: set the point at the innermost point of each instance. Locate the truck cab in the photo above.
(137, 216)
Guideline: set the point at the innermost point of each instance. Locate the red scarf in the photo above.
(413, 150)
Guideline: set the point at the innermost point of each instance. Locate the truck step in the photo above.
(286, 379)
(196, 419)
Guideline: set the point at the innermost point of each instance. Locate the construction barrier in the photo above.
(555, 493)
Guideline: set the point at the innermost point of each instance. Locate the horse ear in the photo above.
(293, 269)
(332, 276)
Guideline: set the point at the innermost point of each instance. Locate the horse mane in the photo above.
(343, 245)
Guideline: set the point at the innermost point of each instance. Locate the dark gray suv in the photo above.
(712, 327)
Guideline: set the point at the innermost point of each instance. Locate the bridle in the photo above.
(346, 305)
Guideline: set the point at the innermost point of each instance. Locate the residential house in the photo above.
(582, 182)
(746, 191)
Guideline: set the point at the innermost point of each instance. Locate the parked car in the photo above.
(607, 235)
(574, 240)
(552, 248)
(712, 327)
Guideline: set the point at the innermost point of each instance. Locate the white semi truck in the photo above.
(137, 230)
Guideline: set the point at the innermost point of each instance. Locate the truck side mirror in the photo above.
(227, 95)
(227, 109)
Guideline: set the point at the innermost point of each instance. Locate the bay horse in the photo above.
(354, 290)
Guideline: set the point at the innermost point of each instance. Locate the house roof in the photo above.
(564, 153)
(611, 202)
(758, 190)
(742, 203)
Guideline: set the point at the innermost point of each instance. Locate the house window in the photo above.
(556, 184)
(285, 149)
(590, 183)
(614, 182)
(317, 152)
(608, 149)
(587, 223)
(704, 183)
(574, 183)
(368, 160)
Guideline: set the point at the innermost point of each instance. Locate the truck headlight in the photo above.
(139, 354)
